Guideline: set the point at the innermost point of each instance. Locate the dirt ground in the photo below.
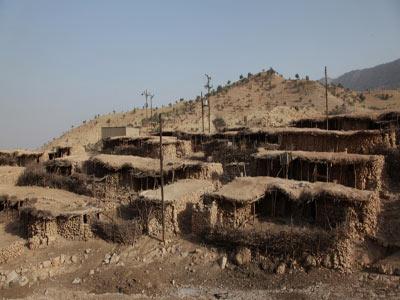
(182, 269)
(9, 174)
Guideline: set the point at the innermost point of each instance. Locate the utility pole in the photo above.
(327, 117)
(208, 86)
(147, 94)
(162, 183)
(151, 106)
(326, 99)
(202, 110)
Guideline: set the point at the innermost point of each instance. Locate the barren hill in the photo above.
(265, 99)
(385, 76)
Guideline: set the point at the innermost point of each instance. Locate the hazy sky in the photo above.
(62, 62)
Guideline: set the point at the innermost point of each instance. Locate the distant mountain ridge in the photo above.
(384, 76)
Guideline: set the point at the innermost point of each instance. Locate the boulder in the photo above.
(77, 280)
(11, 277)
(222, 262)
(23, 281)
(280, 269)
(46, 264)
(327, 262)
(242, 256)
(310, 262)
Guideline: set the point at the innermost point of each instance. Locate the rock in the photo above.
(222, 262)
(184, 254)
(87, 251)
(280, 269)
(42, 276)
(326, 262)
(335, 261)
(46, 264)
(222, 295)
(74, 259)
(385, 269)
(91, 272)
(267, 265)
(77, 280)
(310, 262)
(11, 277)
(173, 282)
(114, 258)
(242, 256)
(23, 281)
(56, 261)
(107, 258)
(63, 258)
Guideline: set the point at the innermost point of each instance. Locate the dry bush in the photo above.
(121, 231)
(7, 161)
(293, 244)
(36, 175)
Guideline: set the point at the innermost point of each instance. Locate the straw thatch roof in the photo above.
(370, 116)
(48, 203)
(250, 189)
(282, 131)
(180, 191)
(143, 164)
(333, 157)
(21, 153)
(166, 140)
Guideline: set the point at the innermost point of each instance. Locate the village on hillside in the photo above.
(266, 183)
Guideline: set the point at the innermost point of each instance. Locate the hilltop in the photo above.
(262, 100)
(383, 76)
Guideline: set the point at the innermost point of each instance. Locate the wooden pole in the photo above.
(151, 107)
(202, 110)
(326, 99)
(209, 113)
(208, 87)
(146, 94)
(162, 184)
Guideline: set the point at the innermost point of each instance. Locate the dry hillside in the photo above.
(262, 100)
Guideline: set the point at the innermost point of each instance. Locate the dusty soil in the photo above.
(9, 174)
(182, 269)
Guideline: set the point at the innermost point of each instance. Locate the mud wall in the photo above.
(123, 182)
(42, 232)
(377, 142)
(366, 175)
(178, 215)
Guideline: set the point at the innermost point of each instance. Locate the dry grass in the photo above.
(36, 175)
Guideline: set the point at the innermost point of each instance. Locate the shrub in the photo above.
(121, 231)
(36, 175)
(219, 123)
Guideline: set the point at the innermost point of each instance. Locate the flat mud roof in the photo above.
(334, 157)
(48, 203)
(179, 191)
(246, 190)
(143, 164)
